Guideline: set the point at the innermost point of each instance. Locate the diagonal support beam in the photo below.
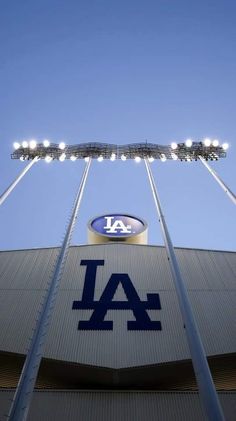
(226, 189)
(16, 181)
(207, 391)
(23, 395)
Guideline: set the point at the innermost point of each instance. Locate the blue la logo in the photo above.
(117, 225)
(139, 308)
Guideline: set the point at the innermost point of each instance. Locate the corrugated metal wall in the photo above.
(179, 376)
(118, 406)
(210, 277)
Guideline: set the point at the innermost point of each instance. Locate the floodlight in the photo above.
(174, 156)
(215, 143)
(174, 145)
(62, 145)
(46, 143)
(207, 142)
(22, 158)
(137, 151)
(62, 157)
(16, 145)
(151, 159)
(48, 158)
(73, 158)
(86, 159)
(32, 144)
(188, 143)
(163, 157)
(225, 146)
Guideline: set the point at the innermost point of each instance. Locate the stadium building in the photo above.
(116, 346)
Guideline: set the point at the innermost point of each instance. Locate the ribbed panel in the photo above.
(117, 406)
(209, 275)
(174, 376)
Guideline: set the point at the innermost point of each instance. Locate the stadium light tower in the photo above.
(186, 151)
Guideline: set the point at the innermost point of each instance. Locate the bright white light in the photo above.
(163, 157)
(137, 159)
(225, 146)
(22, 158)
(16, 145)
(32, 144)
(62, 157)
(215, 143)
(86, 159)
(48, 158)
(62, 145)
(123, 158)
(73, 158)
(113, 157)
(100, 158)
(174, 145)
(25, 144)
(46, 143)
(174, 156)
(151, 159)
(189, 159)
(207, 142)
(188, 143)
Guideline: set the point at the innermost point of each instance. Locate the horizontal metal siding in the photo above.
(118, 406)
(210, 277)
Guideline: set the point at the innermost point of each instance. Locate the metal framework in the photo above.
(130, 151)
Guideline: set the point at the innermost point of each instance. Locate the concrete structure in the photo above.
(133, 367)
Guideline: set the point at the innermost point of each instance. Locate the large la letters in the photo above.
(97, 322)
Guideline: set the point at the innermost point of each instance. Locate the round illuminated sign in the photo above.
(117, 227)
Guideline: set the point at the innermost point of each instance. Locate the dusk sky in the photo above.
(117, 72)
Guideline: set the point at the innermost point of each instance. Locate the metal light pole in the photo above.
(16, 181)
(205, 383)
(226, 189)
(23, 395)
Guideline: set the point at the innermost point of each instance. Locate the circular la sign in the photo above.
(117, 227)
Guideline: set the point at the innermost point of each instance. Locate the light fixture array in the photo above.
(186, 151)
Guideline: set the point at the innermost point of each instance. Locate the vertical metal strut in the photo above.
(16, 181)
(205, 383)
(23, 395)
(231, 195)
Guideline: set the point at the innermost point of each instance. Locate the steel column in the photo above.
(219, 181)
(16, 181)
(23, 395)
(205, 383)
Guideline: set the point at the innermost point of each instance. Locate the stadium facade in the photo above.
(116, 347)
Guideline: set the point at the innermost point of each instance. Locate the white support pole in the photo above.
(23, 394)
(207, 391)
(226, 189)
(16, 181)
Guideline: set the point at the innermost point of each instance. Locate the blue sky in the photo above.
(117, 72)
